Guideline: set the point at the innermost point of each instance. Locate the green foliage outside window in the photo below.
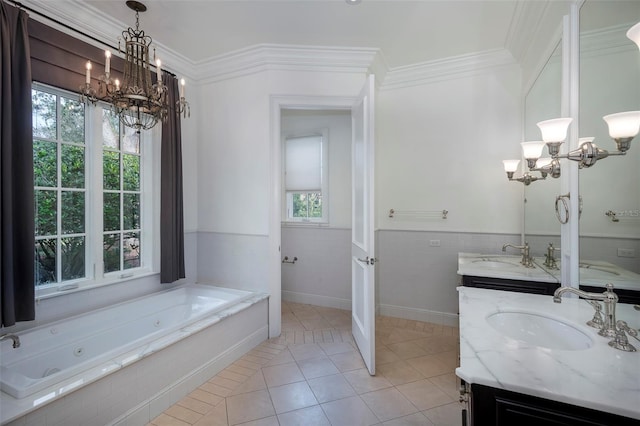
(307, 205)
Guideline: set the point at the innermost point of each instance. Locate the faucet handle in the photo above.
(597, 321)
(620, 340)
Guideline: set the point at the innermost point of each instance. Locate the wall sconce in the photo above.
(623, 127)
(510, 166)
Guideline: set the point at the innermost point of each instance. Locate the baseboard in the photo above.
(416, 314)
(315, 299)
(174, 392)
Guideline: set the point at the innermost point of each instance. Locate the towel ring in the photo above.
(565, 205)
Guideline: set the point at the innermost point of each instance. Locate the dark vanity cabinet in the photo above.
(534, 287)
(491, 406)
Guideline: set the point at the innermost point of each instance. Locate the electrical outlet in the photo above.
(622, 252)
(434, 243)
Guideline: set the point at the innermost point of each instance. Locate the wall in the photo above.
(238, 173)
(322, 273)
(440, 145)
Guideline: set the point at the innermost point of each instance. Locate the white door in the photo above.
(362, 238)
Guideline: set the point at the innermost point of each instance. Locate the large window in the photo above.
(92, 217)
(305, 178)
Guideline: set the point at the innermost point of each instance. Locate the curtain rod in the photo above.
(69, 27)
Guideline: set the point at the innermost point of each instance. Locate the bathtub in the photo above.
(58, 358)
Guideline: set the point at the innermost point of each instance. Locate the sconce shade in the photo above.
(634, 34)
(510, 165)
(532, 150)
(554, 130)
(623, 124)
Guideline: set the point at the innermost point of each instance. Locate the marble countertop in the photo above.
(501, 266)
(600, 377)
(592, 272)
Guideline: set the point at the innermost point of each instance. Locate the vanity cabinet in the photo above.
(491, 406)
(534, 287)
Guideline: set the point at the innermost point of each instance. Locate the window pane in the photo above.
(300, 208)
(45, 267)
(111, 252)
(131, 140)
(131, 213)
(45, 163)
(72, 167)
(72, 212)
(111, 215)
(111, 170)
(43, 114)
(71, 120)
(110, 130)
(315, 204)
(131, 250)
(72, 258)
(131, 172)
(46, 208)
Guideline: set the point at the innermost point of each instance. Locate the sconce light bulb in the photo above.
(623, 124)
(554, 130)
(634, 34)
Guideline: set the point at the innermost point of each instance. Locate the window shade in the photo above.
(303, 164)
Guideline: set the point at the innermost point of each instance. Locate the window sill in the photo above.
(302, 224)
(65, 289)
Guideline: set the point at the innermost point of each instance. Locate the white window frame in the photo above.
(287, 199)
(149, 200)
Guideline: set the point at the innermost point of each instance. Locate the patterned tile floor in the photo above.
(313, 375)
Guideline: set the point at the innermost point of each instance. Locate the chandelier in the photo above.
(136, 100)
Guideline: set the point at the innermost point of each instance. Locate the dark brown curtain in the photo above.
(171, 210)
(17, 247)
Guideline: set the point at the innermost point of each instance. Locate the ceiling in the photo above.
(407, 32)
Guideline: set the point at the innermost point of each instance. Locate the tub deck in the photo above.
(245, 325)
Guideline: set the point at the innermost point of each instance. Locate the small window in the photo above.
(305, 178)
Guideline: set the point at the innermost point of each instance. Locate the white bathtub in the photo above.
(73, 352)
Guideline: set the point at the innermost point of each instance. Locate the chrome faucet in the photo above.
(16, 339)
(610, 299)
(549, 259)
(527, 261)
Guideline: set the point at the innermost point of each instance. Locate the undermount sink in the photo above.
(539, 330)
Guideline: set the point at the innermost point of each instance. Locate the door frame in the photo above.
(277, 104)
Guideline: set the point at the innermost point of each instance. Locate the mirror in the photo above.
(542, 102)
(609, 83)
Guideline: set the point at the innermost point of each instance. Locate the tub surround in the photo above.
(248, 332)
(599, 377)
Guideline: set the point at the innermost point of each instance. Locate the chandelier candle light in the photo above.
(138, 102)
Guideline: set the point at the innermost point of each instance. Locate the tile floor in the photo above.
(313, 375)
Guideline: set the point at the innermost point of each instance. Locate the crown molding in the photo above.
(263, 57)
(447, 69)
(606, 41)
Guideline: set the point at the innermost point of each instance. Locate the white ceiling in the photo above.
(407, 32)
